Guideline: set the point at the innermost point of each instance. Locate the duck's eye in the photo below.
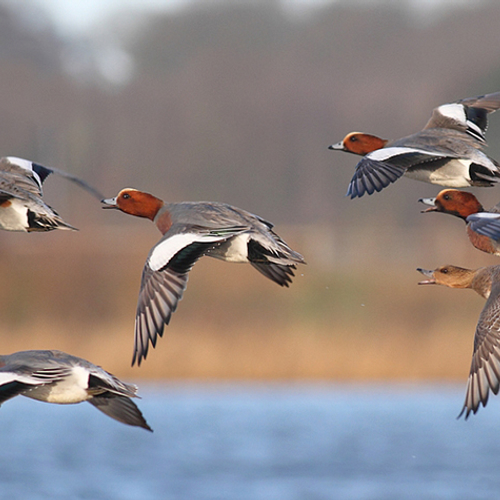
(446, 197)
(353, 138)
(444, 270)
(125, 196)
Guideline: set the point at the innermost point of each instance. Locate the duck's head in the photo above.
(451, 276)
(454, 202)
(359, 143)
(134, 202)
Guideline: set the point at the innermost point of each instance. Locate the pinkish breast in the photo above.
(484, 243)
(163, 221)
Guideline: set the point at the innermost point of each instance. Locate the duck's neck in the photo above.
(481, 282)
(151, 206)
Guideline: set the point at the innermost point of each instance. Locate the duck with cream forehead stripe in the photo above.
(190, 231)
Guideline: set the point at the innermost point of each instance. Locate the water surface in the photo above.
(256, 442)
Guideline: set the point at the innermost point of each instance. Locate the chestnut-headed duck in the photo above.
(22, 207)
(446, 152)
(191, 230)
(483, 227)
(57, 377)
(485, 368)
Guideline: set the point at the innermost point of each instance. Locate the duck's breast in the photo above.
(13, 215)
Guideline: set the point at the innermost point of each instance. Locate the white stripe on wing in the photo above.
(164, 251)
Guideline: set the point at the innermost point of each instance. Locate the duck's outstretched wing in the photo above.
(469, 115)
(79, 182)
(121, 408)
(11, 386)
(29, 176)
(485, 367)
(164, 280)
(485, 224)
(378, 169)
(14, 383)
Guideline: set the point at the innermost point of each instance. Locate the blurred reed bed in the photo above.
(352, 313)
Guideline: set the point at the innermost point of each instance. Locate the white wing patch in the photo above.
(21, 162)
(27, 165)
(8, 377)
(454, 111)
(386, 153)
(166, 249)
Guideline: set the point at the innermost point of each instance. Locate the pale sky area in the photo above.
(85, 22)
(78, 16)
(81, 15)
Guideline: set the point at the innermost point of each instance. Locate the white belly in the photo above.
(72, 389)
(13, 216)
(454, 173)
(237, 249)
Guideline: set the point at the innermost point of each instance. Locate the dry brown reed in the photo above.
(350, 320)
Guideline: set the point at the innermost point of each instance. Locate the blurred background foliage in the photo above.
(237, 102)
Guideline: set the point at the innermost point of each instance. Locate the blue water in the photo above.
(256, 442)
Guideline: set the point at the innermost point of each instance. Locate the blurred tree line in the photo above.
(238, 101)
